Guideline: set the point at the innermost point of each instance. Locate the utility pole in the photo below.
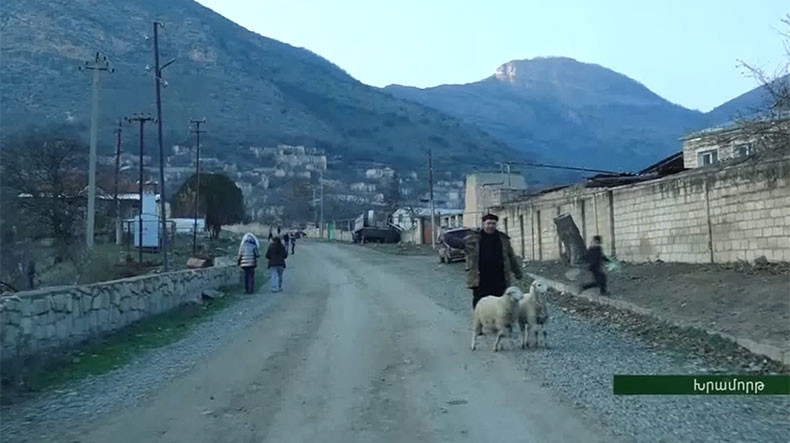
(197, 132)
(98, 65)
(158, 83)
(321, 182)
(117, 171)
(430, 186)
(314, 203)
(142, 120)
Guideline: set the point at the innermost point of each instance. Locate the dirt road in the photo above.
(350, 354)
(364, 346)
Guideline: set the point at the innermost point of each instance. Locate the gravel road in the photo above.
(365, 346)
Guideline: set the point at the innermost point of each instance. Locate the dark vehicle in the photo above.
(374, 226)
(450, 246)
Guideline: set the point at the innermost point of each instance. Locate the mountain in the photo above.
(744, 105)
(251, 89)
(572, 113)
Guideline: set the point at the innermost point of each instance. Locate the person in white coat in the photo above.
(248, 260)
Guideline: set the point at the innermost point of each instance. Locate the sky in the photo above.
(686, 51)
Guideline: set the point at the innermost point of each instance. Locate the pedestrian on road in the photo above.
(490, 260)
(293, 244)
(286, 241)
(248, 260)
(595, 259)
(271, 236)
(276, 254)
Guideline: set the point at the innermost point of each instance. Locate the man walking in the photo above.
(286, 241)
(595, 259)
(293, 243)
(276, 254)
(248, 260)
(490, 261)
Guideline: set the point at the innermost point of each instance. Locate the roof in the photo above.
(420, 212)
(669, 165)
(732, 125)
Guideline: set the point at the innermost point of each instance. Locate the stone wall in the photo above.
(705, 215)
(35, 321)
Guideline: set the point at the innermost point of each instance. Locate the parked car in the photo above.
(450, 246)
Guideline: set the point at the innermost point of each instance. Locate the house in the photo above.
(480, 196)
(415, 223)
(731, 141)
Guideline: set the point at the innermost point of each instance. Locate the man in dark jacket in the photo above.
(595, 259)
(276, 254)
(490, 261)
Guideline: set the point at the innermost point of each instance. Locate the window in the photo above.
(742, 150)
(706, 158)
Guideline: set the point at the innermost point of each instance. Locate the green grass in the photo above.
(401, 248)
(121, 347)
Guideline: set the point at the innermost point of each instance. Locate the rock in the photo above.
(761, 261)
(212, 294)
(199, 262)
(41, 305)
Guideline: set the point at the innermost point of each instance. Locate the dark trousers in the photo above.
(293, 246)
(600, 281)
(249, 280)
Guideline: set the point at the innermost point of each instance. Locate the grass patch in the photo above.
(104, 354)
(402, 248)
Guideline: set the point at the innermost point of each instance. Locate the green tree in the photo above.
(221, 201)
(297, 201)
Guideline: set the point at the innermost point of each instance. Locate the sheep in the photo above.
(532, 313)
(496, 314)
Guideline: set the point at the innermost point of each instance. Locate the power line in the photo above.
(569, 168)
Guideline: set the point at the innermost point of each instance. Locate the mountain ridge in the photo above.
(252, 89)
(565, 109)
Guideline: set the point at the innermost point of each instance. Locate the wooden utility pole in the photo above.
(158, 82)
(430, 186)
(142, 120)
(117, 172)
(321, 180)
(98, 65)
(197, 132)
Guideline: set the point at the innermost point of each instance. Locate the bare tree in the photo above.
(768, 126)
(45, 174)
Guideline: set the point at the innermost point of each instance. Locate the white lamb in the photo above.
(533, 313)
(496, 314)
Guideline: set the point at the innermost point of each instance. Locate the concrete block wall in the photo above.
(706, 215)
(750, 213)
(33, 322)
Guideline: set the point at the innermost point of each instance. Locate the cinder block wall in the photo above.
(700, 216)
(33, 322)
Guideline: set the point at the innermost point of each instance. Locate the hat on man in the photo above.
(490, 217)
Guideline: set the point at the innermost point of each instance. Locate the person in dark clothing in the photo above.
(490, 261)
(31, 274)
(286, 241)
(271, 236)
(276, 254)
(595, 259)
(293, 244)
